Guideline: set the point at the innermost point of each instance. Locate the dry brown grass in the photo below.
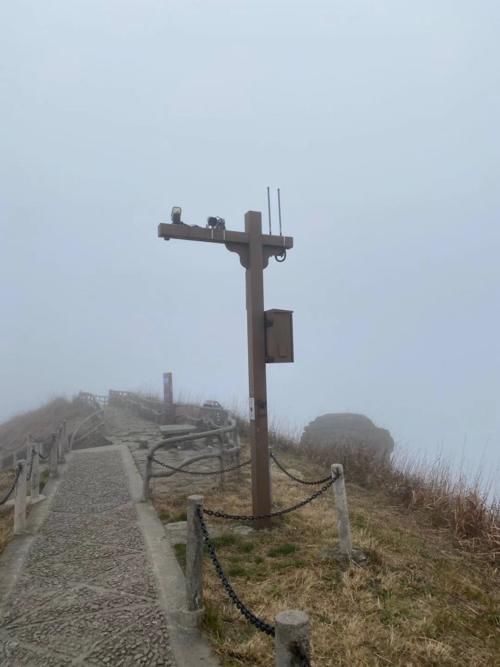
(462, 505)
(419, 601)
(6, 527)
(6, 513)
(459, 506)
(40, 423)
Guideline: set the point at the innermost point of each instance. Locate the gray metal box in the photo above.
(279, 336)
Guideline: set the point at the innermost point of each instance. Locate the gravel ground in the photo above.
(87, 595)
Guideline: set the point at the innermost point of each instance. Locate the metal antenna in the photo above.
(269, 209)
(279, 211)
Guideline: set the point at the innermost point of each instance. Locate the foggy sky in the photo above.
(378, 120)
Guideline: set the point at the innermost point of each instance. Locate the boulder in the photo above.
(348, 430)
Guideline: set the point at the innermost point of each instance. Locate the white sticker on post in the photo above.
(252, 408)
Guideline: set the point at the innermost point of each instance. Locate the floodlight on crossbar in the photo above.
(176, 215)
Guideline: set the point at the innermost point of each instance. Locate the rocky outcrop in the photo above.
(348, 430)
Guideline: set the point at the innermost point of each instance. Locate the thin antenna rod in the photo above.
(279, 211)
(269, 209)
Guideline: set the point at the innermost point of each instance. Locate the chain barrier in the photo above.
(200, 472)
(297, 479)
(14, 484)
(251, 517)
(249, 615)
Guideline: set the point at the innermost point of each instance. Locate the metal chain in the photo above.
(14, 484)
(250, 517)
(297, 479)
(201, 472)
(249, 615)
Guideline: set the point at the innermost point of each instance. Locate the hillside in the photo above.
(422, 597)
(40, 424)
(426, 590)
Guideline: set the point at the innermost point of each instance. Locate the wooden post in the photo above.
(60, 444)
(66, 437)
(343, 523)
(220, 438)
(292, 638)
(194, 556)
(168, 398)
(20, 499)
(259, 439)
(238, 452)
(254, 250)
(147, 479)
(53, 456)
(35, 473)
(29, 458)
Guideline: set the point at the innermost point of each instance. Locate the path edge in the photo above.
(188, 645)
(14, 555)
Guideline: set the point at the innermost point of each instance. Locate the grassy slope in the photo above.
(419, 601)
(40, 423)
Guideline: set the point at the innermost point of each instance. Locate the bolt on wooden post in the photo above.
(254, 250)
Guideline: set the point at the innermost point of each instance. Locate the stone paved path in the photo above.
(86, 595)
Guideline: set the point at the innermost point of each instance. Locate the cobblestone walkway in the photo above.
(87, 595)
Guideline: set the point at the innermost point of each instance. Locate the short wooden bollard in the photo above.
(194, 556)
(66, 436)
(343, 523)
(146, 492)
(221, 461)
(292, 638)
(238, 452)
(20, 499)
(29, 459)
(61, 458)
(53, 456)
(35, 472)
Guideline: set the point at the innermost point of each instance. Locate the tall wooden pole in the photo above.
(261, 476)
(254, 250)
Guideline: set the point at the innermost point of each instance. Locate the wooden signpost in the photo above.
(254, 249)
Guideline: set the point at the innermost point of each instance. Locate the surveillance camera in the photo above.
(216, 223)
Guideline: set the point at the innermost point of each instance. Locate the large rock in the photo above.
(348, 430)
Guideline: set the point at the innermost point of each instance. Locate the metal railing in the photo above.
(93, 422)
(229, 448)
(50, 452)
(145, 408)
(28, 472)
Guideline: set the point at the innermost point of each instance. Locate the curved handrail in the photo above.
(195, 435)
(91, 416)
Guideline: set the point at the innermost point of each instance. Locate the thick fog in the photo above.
(378, 120)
